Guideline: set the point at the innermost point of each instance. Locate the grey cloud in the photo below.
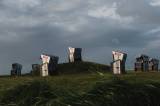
(29, 28)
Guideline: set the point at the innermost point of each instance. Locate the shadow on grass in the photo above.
(35, 93)
(108, 93)
(120, 93)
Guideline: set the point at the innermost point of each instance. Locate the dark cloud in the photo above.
(29, 28)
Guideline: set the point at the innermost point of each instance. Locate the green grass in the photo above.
(82, 67)
(89, 87)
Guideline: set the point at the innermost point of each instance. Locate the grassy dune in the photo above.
(92, 88)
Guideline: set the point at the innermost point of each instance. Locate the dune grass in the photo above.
(82, 84)
(132, 89)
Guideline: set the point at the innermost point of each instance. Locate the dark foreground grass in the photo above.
(121, 93)
(133, 89)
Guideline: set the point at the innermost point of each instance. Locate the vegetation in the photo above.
(82, 67)
(97, 88)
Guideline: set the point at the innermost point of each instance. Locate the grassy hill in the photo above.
(88, 88)
(82, 67)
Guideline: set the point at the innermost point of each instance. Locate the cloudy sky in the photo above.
(31, 27)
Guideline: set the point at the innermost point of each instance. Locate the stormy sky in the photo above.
(31, 27)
